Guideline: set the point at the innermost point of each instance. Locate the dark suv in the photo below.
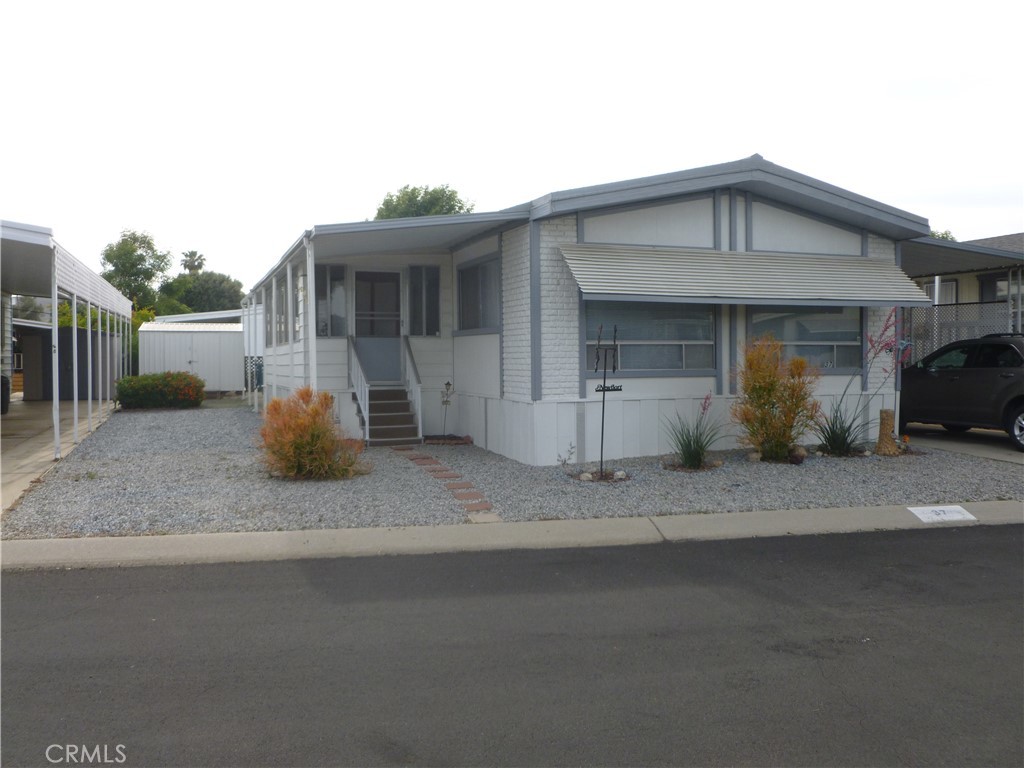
(970, 383)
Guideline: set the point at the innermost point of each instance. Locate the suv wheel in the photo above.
(1016, 426)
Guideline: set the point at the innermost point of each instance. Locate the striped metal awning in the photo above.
(688, 275)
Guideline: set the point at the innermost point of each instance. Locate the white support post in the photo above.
(88, 359)
(54, 355)
(110, 368)
(268, 300)
(74, 366)
(273, 332)
(289, 305)
(311, 337)
(245, 348)
(99, 364)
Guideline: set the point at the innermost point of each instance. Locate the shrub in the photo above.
(300, 439)
(691, 441)
(776, 403)
(171, 389)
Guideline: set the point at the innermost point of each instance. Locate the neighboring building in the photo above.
(980, 287)
(210, 350)
(507, 306)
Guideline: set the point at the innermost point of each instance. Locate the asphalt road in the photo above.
(902, 648)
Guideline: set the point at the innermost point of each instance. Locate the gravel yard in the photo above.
(169, 472)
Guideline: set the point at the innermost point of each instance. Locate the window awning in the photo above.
(687, 275)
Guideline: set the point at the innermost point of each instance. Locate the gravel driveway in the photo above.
(166, 472)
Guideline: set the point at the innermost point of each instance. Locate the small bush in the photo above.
(691, 441)
(301, 440)
(776, 402)
(172, 389)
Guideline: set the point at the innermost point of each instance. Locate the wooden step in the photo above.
(392, 419)
(378, 395)
(389, 406)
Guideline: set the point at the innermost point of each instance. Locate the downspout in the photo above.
(311, 337)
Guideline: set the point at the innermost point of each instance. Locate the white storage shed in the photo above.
(212, 351)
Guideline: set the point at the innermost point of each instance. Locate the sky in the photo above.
(230, 128)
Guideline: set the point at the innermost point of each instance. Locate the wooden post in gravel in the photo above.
(887, 445)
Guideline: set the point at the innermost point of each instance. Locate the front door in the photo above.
(379, 325)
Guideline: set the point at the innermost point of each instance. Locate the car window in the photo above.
(998, 356)
(951, 358)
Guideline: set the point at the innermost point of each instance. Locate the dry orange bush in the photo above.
(301, 440)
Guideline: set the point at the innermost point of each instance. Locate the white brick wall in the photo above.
(559, 296)
(881, 248)
(876, 323)
(515, 321)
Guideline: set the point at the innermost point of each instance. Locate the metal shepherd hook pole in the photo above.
(604, 388)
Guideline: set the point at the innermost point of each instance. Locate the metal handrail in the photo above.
(411, 377)
(357, 377)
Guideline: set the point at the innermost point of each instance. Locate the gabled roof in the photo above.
(753, 174)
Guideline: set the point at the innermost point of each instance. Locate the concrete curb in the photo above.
(102, 552)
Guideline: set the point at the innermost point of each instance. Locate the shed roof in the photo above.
(152, 326)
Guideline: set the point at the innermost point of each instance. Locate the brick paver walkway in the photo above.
(462, 490)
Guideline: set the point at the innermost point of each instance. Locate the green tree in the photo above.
(193, 261)
(168, 305)
(422, 201)
(64, 316)
(203, 291)
(133, 265)
(947, 235)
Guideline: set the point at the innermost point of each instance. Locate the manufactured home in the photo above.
(506, 308)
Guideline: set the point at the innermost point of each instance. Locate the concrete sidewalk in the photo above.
(358, 542)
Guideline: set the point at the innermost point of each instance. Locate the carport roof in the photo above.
(32, 261)
(927, 256)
